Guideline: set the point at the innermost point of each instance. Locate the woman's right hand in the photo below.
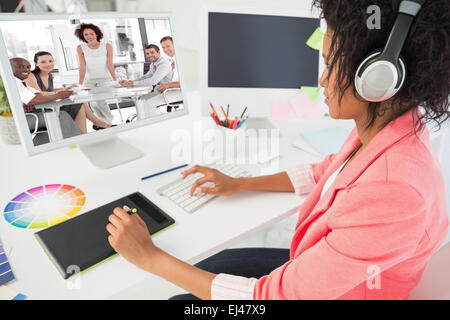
(64, 94)
(223, 185)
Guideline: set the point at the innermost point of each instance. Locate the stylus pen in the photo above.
(131, 211)
(165, 171)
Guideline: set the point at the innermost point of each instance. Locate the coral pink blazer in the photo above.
(372, 233)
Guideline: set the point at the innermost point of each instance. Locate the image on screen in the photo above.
(80, 76)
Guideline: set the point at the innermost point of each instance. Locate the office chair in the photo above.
(69, 128)
(435, 283)
(38, 137)
(116, 103)
(169, 104)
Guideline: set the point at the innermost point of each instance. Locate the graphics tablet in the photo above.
(81, 242)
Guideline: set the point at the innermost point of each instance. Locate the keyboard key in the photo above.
(178, 190)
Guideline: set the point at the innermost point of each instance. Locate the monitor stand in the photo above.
(109, 153)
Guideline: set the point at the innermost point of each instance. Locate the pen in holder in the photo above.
(228, 123)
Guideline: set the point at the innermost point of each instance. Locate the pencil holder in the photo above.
(226, 130)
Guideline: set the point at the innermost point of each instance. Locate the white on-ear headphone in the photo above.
(382, 73)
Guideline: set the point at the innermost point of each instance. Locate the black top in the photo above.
(41, 83)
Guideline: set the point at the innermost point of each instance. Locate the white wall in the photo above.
(187, 16)
(187, 12)
(445, 163)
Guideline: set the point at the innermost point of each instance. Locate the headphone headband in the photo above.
(381, 75)
(410, 7)
(406, 13)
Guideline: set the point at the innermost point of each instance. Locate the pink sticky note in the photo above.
(304, 107)
(281, 111)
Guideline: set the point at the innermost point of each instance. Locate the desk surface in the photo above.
(193, 237)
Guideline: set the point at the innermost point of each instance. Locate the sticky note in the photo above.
(304, 107)
(315, 41)
(281, 111)
(312, 92)
(328, 140)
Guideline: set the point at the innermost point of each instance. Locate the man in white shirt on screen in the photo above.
(157, 101)
(29, 97)
(160, 70)
(167, 46)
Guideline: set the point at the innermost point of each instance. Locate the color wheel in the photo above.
(44, 206)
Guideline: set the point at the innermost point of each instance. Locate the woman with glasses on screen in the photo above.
(42, 80)
(96, 64)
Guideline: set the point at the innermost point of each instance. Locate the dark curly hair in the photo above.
(80, 29)
(426, 52)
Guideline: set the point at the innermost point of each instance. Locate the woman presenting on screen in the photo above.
(96, 64)
(378, 204)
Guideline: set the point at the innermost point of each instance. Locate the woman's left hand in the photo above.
(129, 236)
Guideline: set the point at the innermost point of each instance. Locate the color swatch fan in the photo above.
(44, 206)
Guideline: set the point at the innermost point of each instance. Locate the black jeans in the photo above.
(245, 262)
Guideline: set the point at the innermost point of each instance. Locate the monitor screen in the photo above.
(261, 51)
(79, 76)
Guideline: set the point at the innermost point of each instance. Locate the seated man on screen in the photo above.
(152, 102)
(30, 97)
(167, 46)
(160, 70)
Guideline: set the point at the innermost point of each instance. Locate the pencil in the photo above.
(214, 118)
(235, 122)
(243, 112)
(168, 170)
(212, 107)
(226, 117)
(240, 123)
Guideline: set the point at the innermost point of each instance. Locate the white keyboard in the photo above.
(178, 190)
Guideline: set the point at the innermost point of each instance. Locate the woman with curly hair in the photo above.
(376, 209)
(96, 64)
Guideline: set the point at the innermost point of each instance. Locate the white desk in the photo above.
(98, 94)
(217, 225)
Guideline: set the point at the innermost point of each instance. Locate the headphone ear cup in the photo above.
(378, 79)
(402, 73)
(370, 58)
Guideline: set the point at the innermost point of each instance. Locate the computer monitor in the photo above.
(256, 57)
(125, 46)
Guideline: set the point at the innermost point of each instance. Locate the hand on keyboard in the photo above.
(216, 180)
(217, 183)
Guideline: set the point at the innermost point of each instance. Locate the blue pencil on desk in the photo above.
(165, 171)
